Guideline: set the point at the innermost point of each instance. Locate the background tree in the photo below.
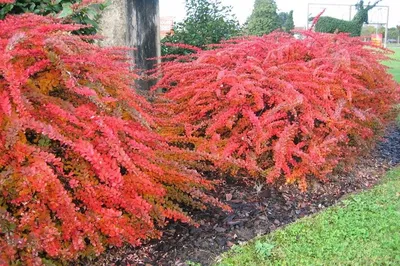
(287, 23)
(73, 11)
(264, 18)
(393, 33)
(206, 22)
(367, 30)
(398, 31)
(283, 17)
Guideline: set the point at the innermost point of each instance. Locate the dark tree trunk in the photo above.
(143, 33)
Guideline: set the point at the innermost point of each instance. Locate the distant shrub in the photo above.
(206, 22)
(80, 164)
(283, 108)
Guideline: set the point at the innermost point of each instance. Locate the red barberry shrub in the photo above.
(80, 164)
(286, 108)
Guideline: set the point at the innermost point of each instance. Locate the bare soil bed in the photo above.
(257, 210)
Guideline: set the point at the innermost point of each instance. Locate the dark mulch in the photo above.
(257, 209)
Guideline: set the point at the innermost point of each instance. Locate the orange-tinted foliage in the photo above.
(80, 165)
(284, 108)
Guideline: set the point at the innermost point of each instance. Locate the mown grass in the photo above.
(395, 65)
(363, 229)
(394, 68)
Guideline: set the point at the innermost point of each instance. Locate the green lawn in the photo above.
(363, 229)
(395, 65)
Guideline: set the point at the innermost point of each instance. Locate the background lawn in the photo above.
(363, 229)
(395, 65)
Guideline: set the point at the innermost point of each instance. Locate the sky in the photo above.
(242, 9)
